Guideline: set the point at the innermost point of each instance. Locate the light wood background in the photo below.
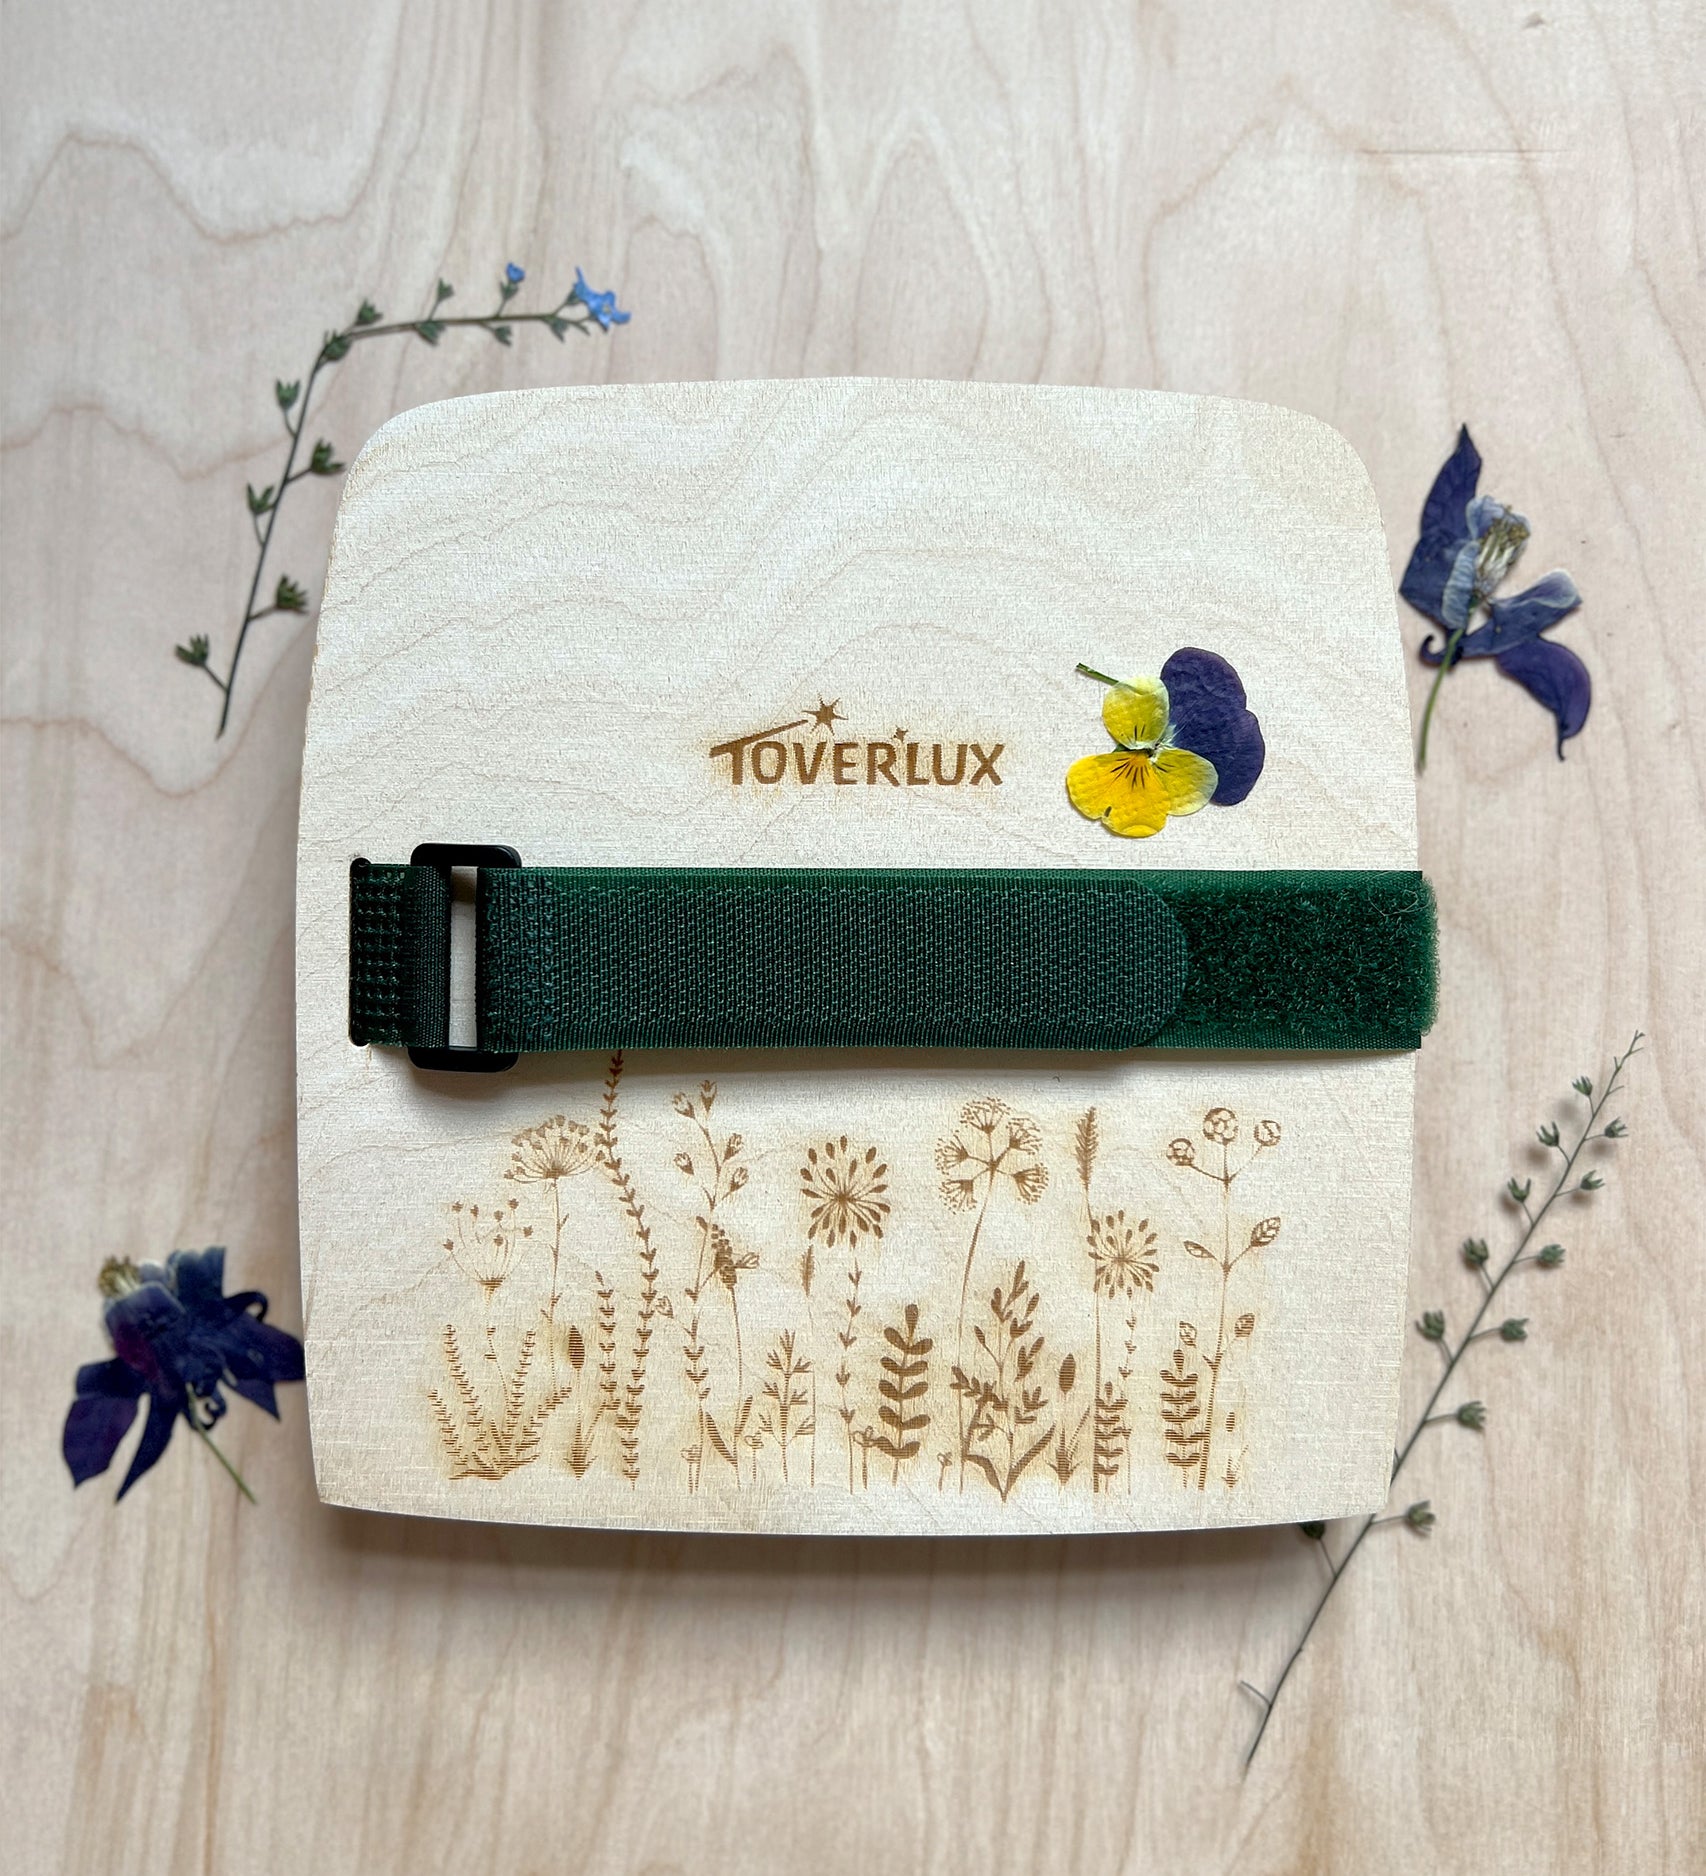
(1392, 217)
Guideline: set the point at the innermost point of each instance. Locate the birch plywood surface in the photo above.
(1389, 220)
(819, 1293)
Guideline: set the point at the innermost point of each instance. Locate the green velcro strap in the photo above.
(399, 955)
(588, 958)
(604, 958)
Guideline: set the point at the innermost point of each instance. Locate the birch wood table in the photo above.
(1394, 219)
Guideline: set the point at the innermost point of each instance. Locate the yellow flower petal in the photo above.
(1136, 712)
(1124, 791)
(1189, 780)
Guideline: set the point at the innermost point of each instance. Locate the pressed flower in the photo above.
(1467, 545)
(1186, 738)
(602, 306)
(178, 1339)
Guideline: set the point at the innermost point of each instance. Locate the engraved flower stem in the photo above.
(332, 349)
(1225, 1179)
(965, 1292)
(556, 1292)
(1561, 1188)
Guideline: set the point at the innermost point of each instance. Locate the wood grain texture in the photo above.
(1391, 219)
(1138, 1292)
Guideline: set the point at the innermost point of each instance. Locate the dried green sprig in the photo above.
(596, 310)
(1431, 1327)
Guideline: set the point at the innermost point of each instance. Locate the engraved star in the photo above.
(900, 736)
(825, 715)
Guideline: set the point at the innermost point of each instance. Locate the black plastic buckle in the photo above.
(441, 856)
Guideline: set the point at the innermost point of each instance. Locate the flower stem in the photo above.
(1101, 677)
(242, 1484)
(1560, 1189)
(1451, 645)
(335, 346)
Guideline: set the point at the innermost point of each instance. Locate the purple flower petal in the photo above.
(198, 1276)
(180, 1339)
(146, 1326)
(100, 1416)
(1511, 622)
(156, 1436)
(1528, 614)
(1205, 702)
(1556, 677)
(1445, 528)
(258, 1394)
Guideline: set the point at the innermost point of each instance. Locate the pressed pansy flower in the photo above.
(1186, 738)
(179, 1340)
(1467, 545)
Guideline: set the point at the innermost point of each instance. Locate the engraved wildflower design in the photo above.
(1122, 1254)
(1185, 739)
(1191, 1427)
(555, 1149)
(547, 1154)
(484, 1247)
(990, 1143)
(843, 1189)
(1042, 1372)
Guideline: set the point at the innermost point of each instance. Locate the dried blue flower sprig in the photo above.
(1419, 1517)
(180, 1340)
(595, 309)
(1468, 544)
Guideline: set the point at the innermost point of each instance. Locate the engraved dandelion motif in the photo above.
(843, 1189)
(1122, 1255)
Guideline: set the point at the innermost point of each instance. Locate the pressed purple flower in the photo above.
(1206, 702)
(1468, 543)
(602, 306)
(180, 1340)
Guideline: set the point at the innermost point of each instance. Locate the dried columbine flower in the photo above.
(179, 1340)
(1468, 544)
